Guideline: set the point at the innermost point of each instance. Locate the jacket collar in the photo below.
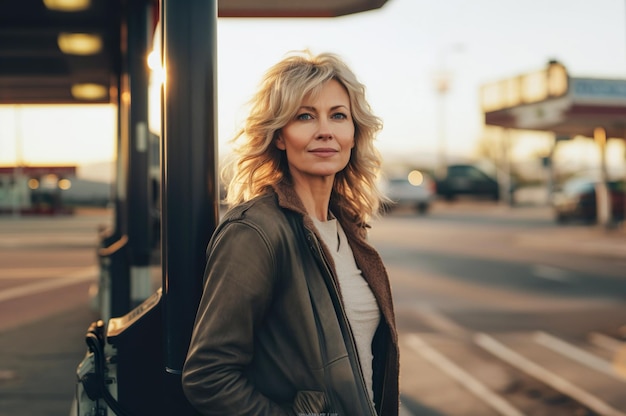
(289, 199)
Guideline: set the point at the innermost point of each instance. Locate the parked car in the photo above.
(468, 180)
(416, 190)
(576, 200)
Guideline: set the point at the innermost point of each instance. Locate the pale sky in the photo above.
(396, 51)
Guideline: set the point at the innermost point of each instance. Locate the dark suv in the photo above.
(467, 179)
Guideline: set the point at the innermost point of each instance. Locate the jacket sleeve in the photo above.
(239, 280)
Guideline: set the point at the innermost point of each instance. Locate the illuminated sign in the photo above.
(604, 91)
(551, 82)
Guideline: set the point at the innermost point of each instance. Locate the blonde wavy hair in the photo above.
(257, 163)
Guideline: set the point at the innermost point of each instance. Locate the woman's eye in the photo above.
(304, 116)
(339, 116)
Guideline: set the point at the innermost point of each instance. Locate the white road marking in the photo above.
(610, 344)
(576, 354)
(84, 274)
(493, 400)
(616, 347)
(529, 367)
(550, 273)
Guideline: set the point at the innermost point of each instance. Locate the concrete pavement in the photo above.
(38, 360)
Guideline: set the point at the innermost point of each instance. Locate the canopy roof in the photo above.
(552, 100)
(35, 70)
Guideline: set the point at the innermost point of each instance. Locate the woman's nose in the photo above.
(324, 129)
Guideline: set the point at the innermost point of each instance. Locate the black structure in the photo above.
(189, 158)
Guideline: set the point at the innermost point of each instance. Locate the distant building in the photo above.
(35, 189)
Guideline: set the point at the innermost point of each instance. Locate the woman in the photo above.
(296, 317)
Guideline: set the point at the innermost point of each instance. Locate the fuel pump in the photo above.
(122, 370)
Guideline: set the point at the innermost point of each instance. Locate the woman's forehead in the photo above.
(332, 86)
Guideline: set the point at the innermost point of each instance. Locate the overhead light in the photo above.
(33, 183)
(89, 91)
(79, 43)
(64, 184)
(67, 5)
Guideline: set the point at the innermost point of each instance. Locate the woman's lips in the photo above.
(324, 152)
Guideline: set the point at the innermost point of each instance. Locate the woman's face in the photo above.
(318, 141)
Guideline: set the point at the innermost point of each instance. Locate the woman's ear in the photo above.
(280, 142)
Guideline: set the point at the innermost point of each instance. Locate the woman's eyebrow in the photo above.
(312, 108)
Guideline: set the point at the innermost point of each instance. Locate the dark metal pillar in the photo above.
(114, 284)
(189, 180)
(140, 245)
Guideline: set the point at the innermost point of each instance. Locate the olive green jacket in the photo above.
(271, 336)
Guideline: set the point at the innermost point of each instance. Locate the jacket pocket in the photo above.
(309, 402)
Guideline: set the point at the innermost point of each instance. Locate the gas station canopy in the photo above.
(551, 100)
(69, 51)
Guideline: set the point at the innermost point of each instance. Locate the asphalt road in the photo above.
(500, 311)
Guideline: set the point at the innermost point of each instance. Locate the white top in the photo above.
(361, 307)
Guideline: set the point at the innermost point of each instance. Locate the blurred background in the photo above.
(504, 163)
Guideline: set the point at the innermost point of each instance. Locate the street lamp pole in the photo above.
(442, 87)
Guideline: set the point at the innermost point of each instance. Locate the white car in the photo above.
(416, 190)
